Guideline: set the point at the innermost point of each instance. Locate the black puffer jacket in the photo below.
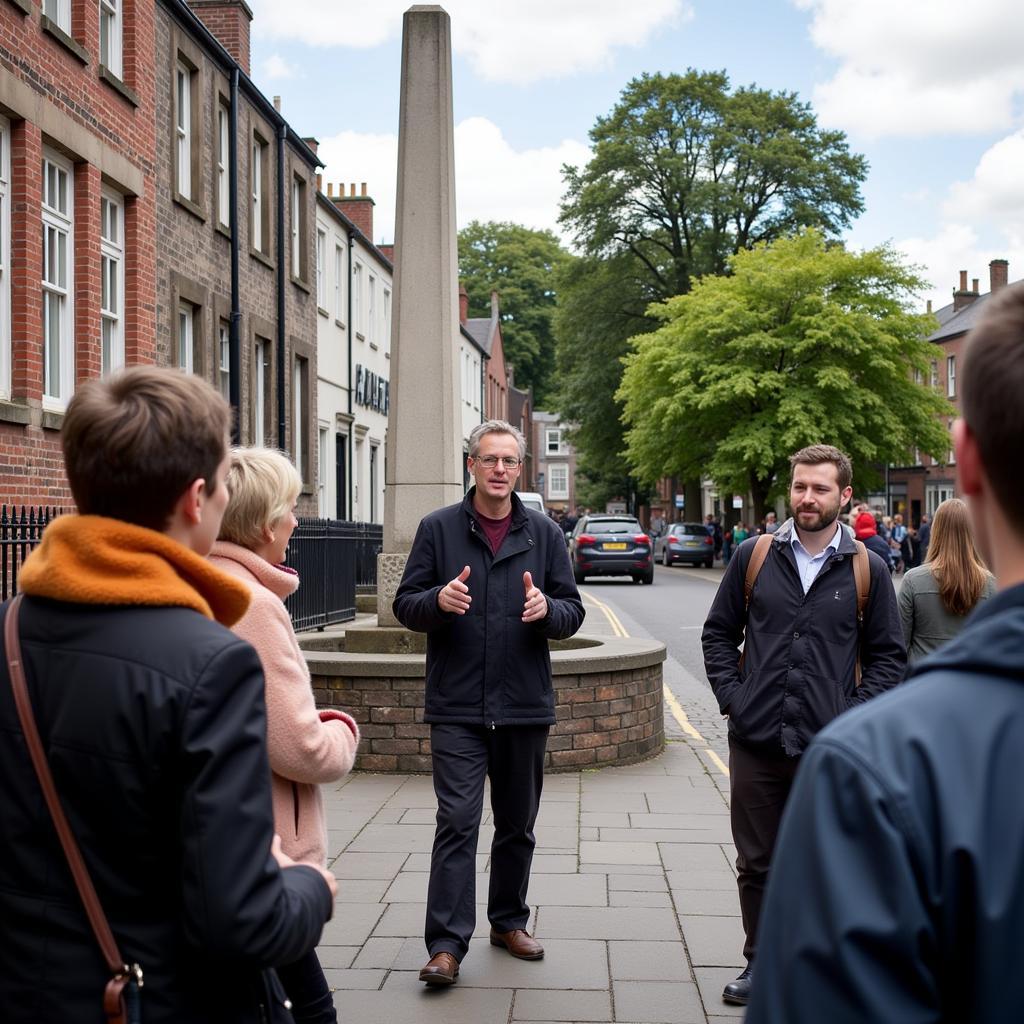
(800, 657)
(489, 667)
(154, 725)
(896, 894)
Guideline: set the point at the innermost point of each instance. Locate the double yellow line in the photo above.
(670, 698)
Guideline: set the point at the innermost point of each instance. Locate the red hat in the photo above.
(864, 526)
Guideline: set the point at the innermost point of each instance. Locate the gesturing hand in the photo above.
(454, 595)
(536, 605)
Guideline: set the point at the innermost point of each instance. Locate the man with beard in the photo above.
(804, 643)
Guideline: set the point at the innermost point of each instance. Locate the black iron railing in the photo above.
(20, 532)
(332, 557)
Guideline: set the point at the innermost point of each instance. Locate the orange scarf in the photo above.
(96, 560)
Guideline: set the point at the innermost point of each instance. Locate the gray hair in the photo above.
(496, 427)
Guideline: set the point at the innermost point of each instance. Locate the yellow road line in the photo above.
(670, 698)
(697, 574)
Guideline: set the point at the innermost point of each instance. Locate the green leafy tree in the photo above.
(522, 266)
(684, 173)
(803, 343)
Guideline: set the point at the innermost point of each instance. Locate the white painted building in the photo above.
(472, 375)
(354, 289)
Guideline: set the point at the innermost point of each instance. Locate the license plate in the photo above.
(693, 543)
(614, 547)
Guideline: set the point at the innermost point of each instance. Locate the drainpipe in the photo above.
(351, 385)
(282, 334)
(234, 342)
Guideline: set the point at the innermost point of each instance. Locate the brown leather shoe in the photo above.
(440, 969)
(519, 943)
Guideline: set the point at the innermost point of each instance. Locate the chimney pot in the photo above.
(929, 305)
(319, 183)
(330, 189)
(352, 188)
(974, 285)
(963, 280)
(463, 303)
(998, 274)
(277, 104)
(362, 189)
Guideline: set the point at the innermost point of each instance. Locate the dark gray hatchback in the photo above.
(611, 545)
(686, 542)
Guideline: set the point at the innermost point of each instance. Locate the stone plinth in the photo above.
(389, 576)
(608, 702)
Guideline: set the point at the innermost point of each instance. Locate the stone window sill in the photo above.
(51, 28)
(23, 5)
(115, 83)
(194, 208)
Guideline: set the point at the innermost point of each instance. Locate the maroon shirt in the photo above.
(495, 529)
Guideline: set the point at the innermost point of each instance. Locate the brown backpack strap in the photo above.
(113, 1003)
(862, 579)
(757, 557)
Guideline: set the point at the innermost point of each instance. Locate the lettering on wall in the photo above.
(372, 390)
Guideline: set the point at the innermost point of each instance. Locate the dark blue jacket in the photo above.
(154, 725)
(897, 890)
(800, 651)
(488, 667)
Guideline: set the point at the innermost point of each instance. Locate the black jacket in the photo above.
(154, 725)
(488, 666)
(896, 892)
(880, 548)
(800, 655)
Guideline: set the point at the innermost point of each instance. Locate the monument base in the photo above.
(389, 576)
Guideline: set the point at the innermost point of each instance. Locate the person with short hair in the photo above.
(307, 748)
(489, 581)
(803, 645)
(153, 721)
(896, 890)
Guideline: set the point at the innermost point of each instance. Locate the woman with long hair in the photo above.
(937, 597)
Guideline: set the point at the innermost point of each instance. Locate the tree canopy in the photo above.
(522, 265)
(685, 172)
(803, 343)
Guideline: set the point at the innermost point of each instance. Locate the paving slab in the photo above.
(349, 979)
(352, 924)
(408, 1001)
(687, 820)
(710, 832)
(377, 952)
(607, 923)
(717, 902)
(713, 941)
(340, 957)
(602, 800)
(393, 839)
(534, 1005)
(621, 852)
(368, 865)
(659, 1002)
(711, 981)
(570, 964)
(361, 890)
(639, 899)
(637, 882)
(604, 819)
(702, 856)
(648, 961)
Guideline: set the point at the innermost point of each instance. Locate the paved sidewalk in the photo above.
(633, 895)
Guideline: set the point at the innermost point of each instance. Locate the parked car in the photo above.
(531, 499)
(610, 545)
(686, 542)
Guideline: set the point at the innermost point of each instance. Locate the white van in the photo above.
(531, 499)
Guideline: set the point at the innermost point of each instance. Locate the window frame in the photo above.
(371, 309)
(187, 111)
(299, 257)
(357, 299)
(183, 129)
(62, 224)
(112, 255)
(558, 448)
(186, 336)
(339, 278)
(260, 229)
(222, 164)
(113, 60)
(224, 359)
(386, 298)
(951, 376)
(321, 271)
(59, 12)
(557, 468)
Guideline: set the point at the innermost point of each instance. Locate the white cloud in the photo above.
(493, 181)
(919, 67)
(515, 41)
(276, 67)
(978, 220)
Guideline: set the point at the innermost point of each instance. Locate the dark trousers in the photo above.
(304, 981)
(759, 788)
(462, 757)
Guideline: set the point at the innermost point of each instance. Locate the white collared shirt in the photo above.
(809, 565)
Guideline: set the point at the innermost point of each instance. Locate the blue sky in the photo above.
(929, 91)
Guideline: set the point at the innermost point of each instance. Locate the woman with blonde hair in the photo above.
(306, 747)
(937, 597)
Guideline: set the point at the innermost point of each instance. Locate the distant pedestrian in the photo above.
(151, 713)
(740, 533)
(899, 541)
(771, 523)
(714, 528)
(726, 545)
(866, 531)
(809, 653)
(306, 747)
(937, 597)
(489, 582)
(896, 892)
(924, 535)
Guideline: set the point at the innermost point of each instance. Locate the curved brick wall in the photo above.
(608, 701)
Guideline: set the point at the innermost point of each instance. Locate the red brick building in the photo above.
(920, 486)
(77, 216)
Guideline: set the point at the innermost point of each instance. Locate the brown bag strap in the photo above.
(862, 579)
(112, 1000)
(757, 558)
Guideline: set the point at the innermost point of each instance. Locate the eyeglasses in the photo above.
(510, 462)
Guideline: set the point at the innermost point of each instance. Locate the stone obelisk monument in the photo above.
(424, 442)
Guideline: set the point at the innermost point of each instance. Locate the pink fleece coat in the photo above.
(304, 751)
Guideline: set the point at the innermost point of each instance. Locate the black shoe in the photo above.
(738, 992)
